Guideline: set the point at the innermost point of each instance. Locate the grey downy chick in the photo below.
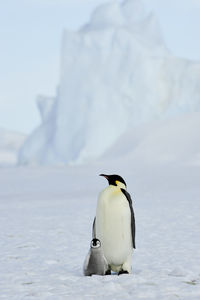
(95, 262)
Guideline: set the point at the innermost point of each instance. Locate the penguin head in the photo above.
(115, 180)
(95, 243)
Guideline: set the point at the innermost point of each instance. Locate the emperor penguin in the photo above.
(114, 225)
(95, 262)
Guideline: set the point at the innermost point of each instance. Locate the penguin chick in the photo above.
(95, 262)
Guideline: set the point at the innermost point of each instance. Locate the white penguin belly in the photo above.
(113, 225)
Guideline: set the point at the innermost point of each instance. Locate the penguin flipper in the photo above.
(85, 265)
(94, 229)
(128, 197)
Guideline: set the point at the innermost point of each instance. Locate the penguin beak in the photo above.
(106, 176)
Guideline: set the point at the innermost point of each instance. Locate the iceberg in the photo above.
(116, 73)
(10, 143)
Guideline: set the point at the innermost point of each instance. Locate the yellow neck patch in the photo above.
(120, 184)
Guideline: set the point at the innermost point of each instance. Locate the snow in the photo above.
(10, 142)
(46, 220)
(116, 73)
(46, 217)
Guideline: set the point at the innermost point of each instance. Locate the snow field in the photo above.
(46, 217)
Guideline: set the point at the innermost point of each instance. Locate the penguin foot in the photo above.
(108, 272)
(123, 272)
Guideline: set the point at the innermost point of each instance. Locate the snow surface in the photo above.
(46, 217)
(10, 142)
(116, 73)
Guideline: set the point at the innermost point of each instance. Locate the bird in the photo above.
(95, 262)
(114, 225)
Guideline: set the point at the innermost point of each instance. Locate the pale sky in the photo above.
(30, 40)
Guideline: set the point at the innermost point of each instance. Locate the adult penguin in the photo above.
(114, 225)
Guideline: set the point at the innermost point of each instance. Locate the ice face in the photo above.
(116, 73)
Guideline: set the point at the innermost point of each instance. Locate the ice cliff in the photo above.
(116, 73)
